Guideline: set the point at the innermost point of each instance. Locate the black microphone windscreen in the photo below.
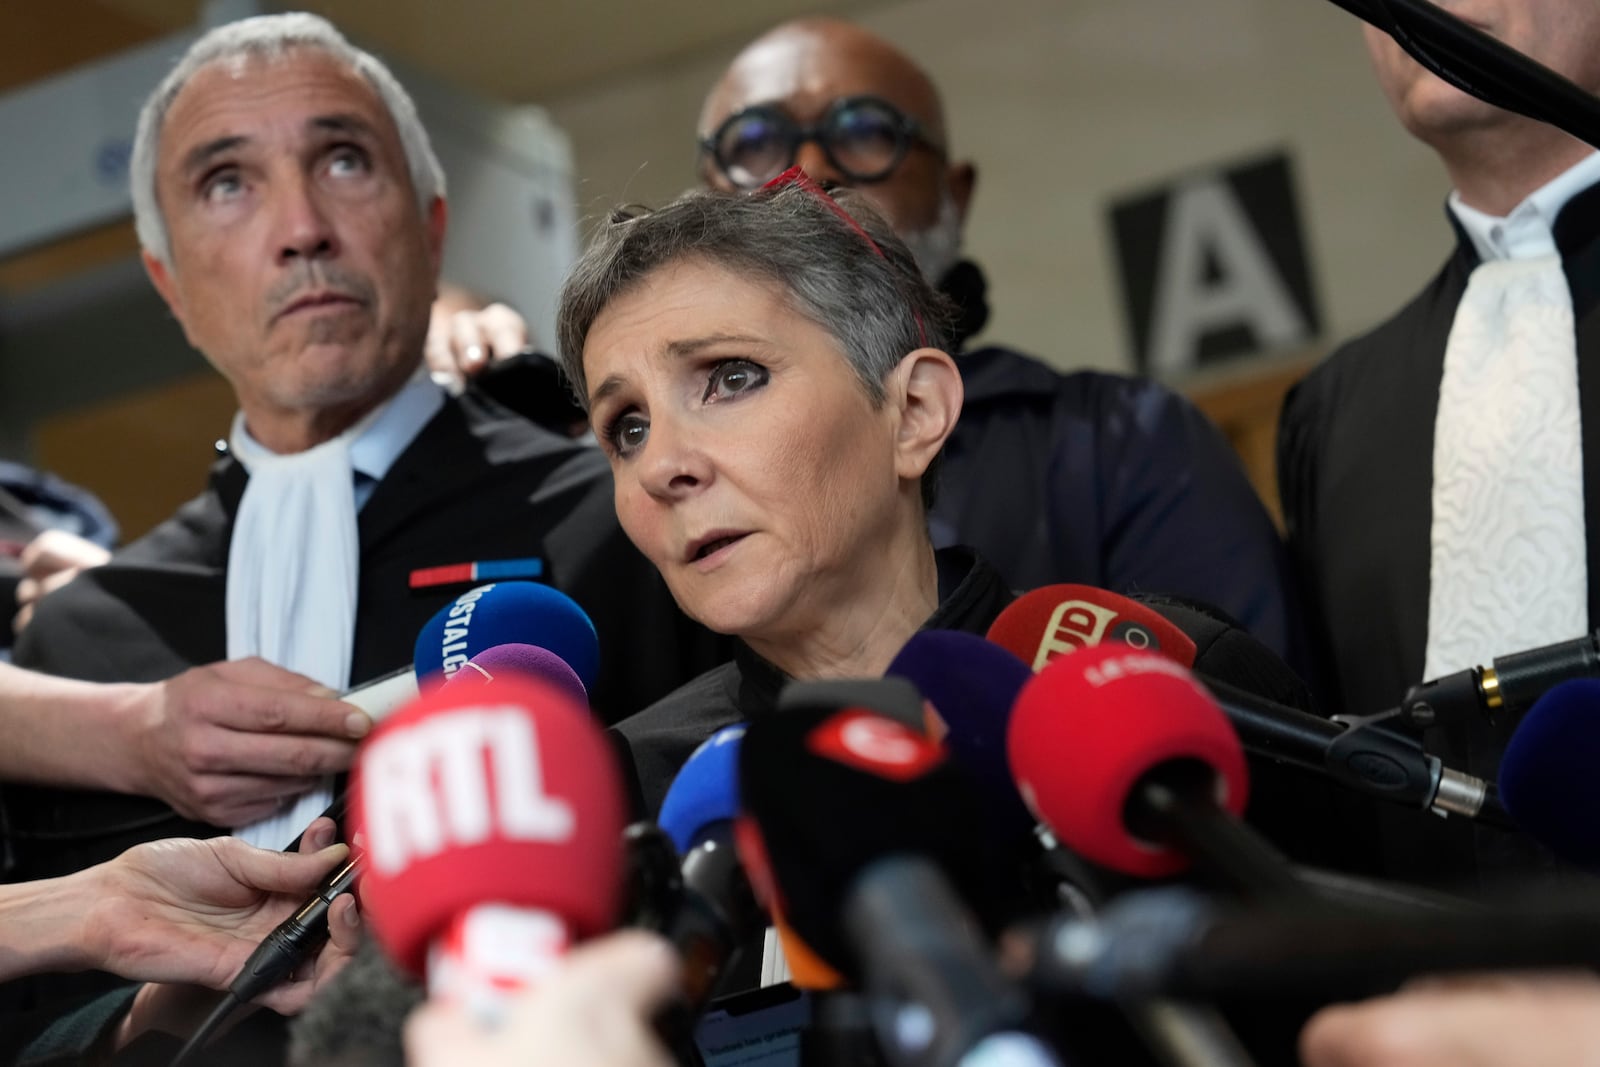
(832, 791)
(358, 1018)
(1227, 652)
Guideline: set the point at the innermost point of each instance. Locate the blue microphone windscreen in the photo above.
(1547, 772)
(508, 613)
(706, 790)
(972, 684)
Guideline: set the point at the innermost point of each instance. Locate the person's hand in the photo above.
(231, 743)
(49, 562)
(1545, 1020)
(462, 343)
(594, 1010)
(187, 911)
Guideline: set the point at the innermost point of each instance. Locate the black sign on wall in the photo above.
(1213, 267)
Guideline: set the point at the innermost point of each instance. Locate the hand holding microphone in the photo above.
(178, 910)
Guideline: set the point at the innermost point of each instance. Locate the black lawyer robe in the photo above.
(1355, 466)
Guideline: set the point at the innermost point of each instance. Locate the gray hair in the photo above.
(878, 307)
(269, 37)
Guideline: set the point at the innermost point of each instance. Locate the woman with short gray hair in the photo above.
(765, 372)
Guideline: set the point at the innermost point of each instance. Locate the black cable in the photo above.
(202, 1036)
(279, 952)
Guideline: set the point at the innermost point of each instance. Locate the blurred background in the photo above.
(1209, 191)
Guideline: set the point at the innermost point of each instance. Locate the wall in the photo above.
(1066, 106)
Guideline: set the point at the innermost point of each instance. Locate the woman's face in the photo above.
(751, 467)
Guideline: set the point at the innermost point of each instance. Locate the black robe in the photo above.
(1355, 467)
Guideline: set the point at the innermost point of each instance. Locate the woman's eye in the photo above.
(735, 376)
(627, 433)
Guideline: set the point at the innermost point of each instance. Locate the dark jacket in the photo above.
(662, 736)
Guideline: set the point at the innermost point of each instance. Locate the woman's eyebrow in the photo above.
(695, 345)
(678, 350)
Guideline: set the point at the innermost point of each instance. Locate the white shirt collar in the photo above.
(1528, 232)
(396, 426)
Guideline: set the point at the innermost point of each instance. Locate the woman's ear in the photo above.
(928, 392)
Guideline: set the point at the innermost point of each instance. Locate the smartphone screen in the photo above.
(757, 1028)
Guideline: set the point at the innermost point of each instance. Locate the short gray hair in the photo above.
(268, 37)
(868, 294)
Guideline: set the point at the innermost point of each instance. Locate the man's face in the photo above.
(1564, 35)
(301, 265)
(805, 71)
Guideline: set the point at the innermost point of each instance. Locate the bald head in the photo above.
(805, 66)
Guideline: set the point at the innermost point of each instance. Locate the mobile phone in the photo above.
(755, 1028)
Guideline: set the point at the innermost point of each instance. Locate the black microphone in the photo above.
(296, 937)
(884, 809)
(290, 942)
(1264, 701)
(1511, 685)
(1173, 942)
(1359, 754)
(923, 961)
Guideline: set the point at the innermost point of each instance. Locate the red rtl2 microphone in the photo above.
(491, 819)
(1054, 620)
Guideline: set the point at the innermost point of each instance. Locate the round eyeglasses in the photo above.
(864, 137)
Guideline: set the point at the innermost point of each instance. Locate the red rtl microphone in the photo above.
(491, 819)
(1054, 620)
(1133, 765)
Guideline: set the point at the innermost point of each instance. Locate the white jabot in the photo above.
(294, 560)
(1508, 563)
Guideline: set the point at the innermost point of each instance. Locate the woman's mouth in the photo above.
(713, 546)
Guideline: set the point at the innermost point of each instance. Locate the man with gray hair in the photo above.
(292, 216)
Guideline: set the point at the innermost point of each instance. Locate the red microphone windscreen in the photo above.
(1056, 619)
(1090, 725)
(508, 795)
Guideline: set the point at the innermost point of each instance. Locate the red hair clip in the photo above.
(797, 177)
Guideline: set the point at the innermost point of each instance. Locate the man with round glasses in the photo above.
(1083, 477)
